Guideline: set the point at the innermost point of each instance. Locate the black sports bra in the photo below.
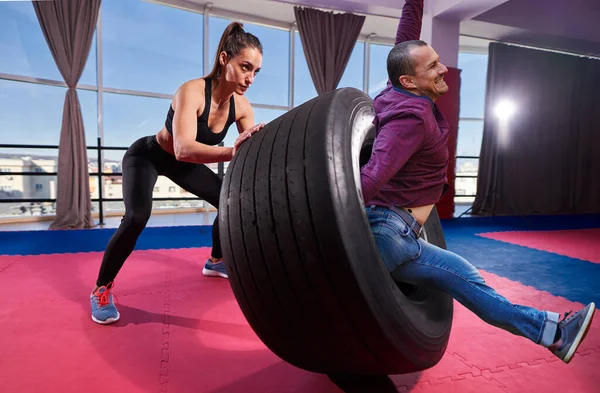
(204, 134)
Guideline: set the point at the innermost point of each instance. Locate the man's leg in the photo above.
(443, 270)
(420, 263)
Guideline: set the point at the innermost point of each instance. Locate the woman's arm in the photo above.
(189, 100)
(246, 119)
(245, 123)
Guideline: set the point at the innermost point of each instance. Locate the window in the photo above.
(470, 126)
(31, 113)
(304, 87)
(128, 118)
(473, 82)
(261, 115)
(165, 42)
(378, 76)
(39, 187)
(24, 48)
(271, 85)
(354, 74)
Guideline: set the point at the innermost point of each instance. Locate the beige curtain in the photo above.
(68, 26)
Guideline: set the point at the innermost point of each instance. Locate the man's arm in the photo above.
(409, 27)
(394, 145)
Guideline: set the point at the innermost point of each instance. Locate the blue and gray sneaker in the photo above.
(214, 269)
(104, 311)
(572, 332)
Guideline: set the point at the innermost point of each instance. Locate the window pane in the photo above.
(31, 113)
(150, 47)
(88, 76)
(378, 76)
(128, 118)
(473, 83)
(470, 134)
(116, 209)
(89, 112)
(354, 74)
(304, 87)
(24, 49)
(22, 43)
(466, 185)
(25, 209)
(25, 186)
(271, 85)
(164, 188)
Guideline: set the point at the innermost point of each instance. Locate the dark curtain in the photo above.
(544, 159)
(68, 26)
(328, 40)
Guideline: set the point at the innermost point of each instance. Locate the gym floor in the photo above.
(183, 332)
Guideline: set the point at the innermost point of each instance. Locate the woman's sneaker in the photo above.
(214, 269)
(104, 311)
(572, 332)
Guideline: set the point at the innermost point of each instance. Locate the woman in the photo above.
(200, 115)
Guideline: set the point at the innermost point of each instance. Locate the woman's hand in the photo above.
(245, 135)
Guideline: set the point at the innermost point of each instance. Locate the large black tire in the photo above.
(300, 255)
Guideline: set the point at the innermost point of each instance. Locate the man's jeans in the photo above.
(412, 260)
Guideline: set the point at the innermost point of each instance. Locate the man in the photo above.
(406, 176)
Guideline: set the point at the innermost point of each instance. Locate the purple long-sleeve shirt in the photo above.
(410, 155)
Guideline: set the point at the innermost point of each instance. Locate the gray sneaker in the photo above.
(572, 332)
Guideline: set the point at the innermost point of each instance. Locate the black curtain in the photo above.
(545, 158)
(327, 40)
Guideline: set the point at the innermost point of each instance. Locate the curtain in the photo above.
(542, 157)
(328, 40)
(68, 26)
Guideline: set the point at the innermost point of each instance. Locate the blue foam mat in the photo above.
(571, 278)
(87, 240)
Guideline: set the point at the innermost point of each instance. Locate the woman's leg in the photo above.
(139, 178)
(204, 183)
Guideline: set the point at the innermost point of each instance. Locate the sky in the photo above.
(156, 51)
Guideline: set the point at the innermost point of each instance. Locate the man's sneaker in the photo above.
(103, 306)
(214, 269)
(572, 332)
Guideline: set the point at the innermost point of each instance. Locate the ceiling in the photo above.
(569, 25)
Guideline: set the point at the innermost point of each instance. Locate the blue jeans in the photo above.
(412, 260)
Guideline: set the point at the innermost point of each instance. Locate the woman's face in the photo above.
(240, 70)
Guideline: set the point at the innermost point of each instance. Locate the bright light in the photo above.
(505, 109)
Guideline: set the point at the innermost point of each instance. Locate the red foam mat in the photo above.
(183, 332)
(575, 243)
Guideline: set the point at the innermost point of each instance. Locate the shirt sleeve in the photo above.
(411, 21)
(396, 142)
(409, 28)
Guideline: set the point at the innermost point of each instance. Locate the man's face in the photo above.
(429, 73)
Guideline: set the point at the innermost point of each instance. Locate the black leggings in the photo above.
(143, 162)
